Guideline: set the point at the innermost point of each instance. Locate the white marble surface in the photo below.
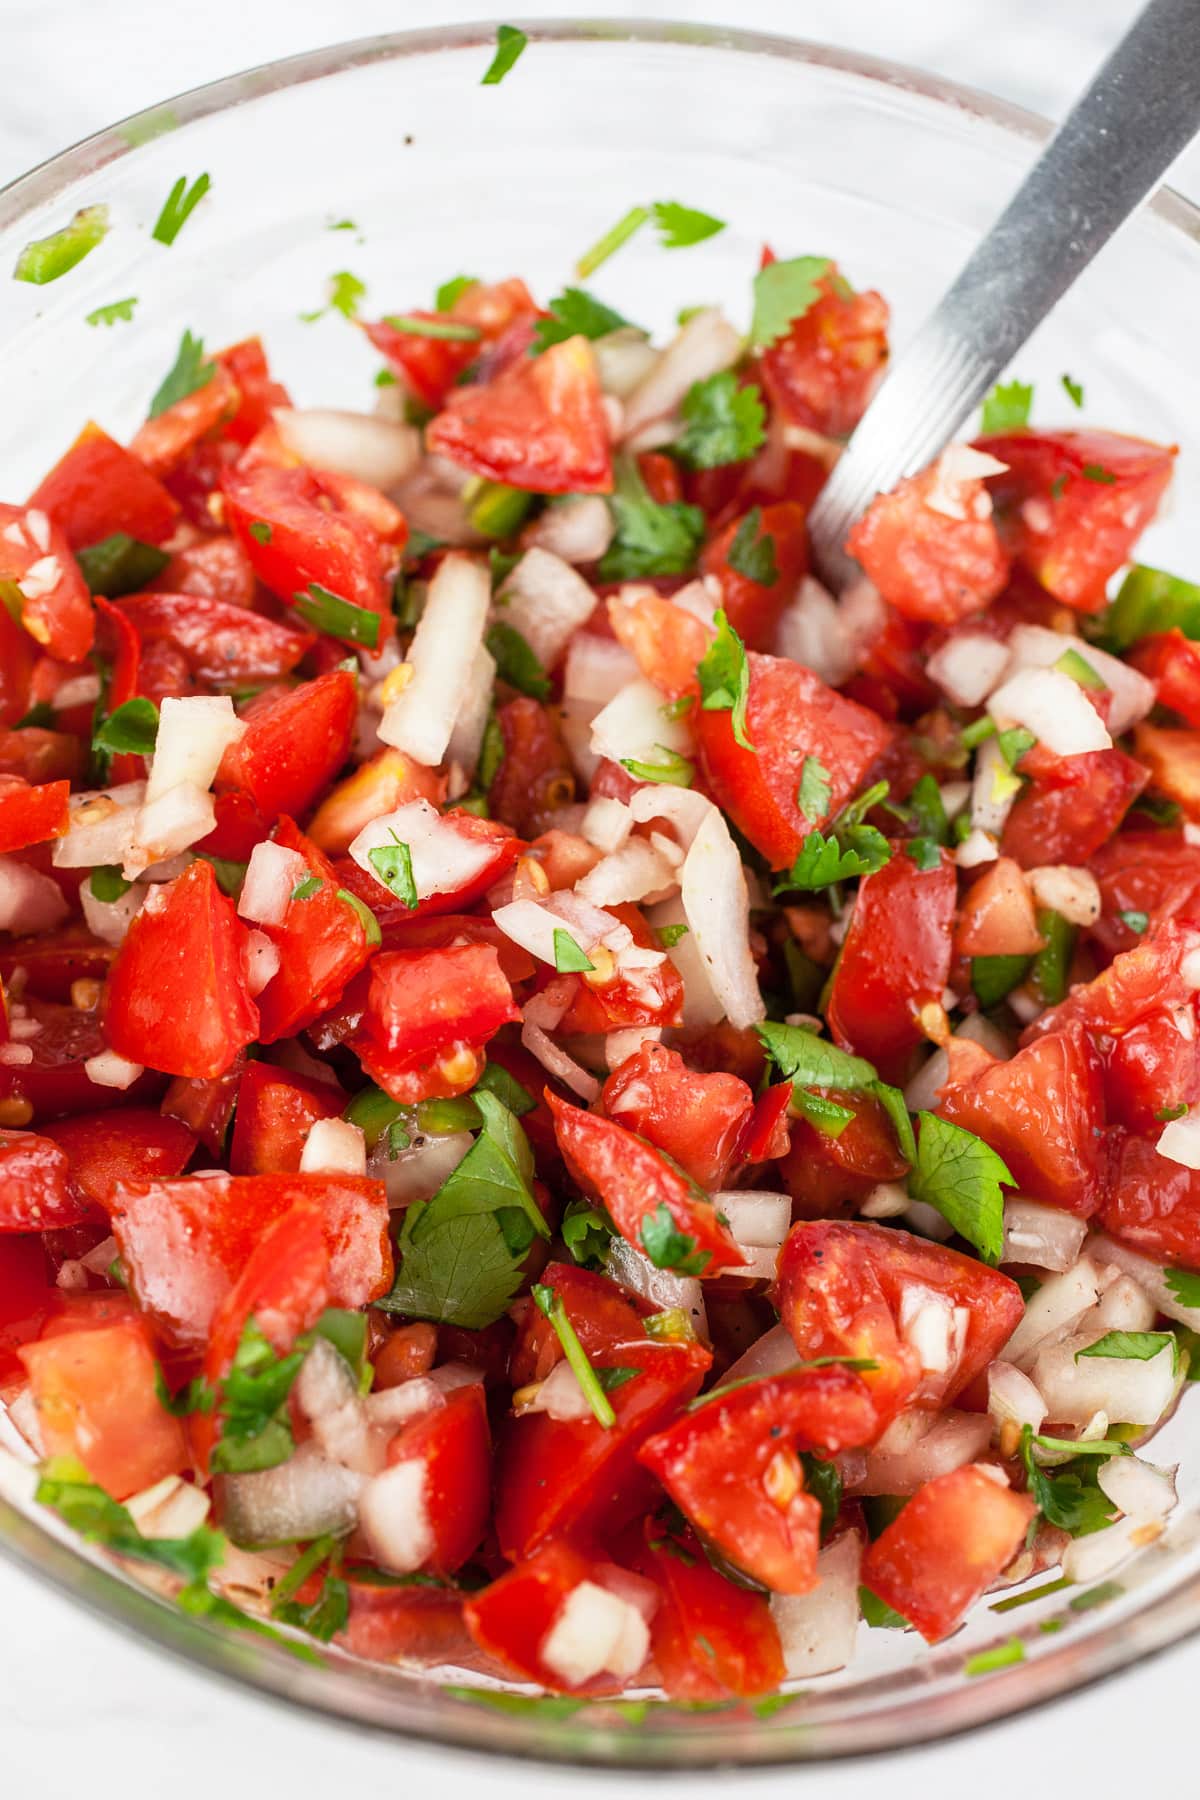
(84, 1710)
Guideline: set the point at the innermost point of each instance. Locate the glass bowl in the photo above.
(892, 173)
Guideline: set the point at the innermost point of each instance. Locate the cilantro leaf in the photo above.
(1135, 1346)
(516, 662)
(812, 796)
(256, 1430)
(507, 1089)
(723, 422)
(110, 314)
(752, 552)
(363, 914)
(510, 43)
(45, 259)
(927, 811)
(681, 226)
(574, 313)
(783, 293)
(669, 935)
(323, 1617)
(392, 865)
(187, 375)
(893, 1103)
(650, 539)
(961, 1177)
(1098, 473)
(66, 1488)
(668, 1247)
(569, 959)
(132, 729)
(1070, 1498)
(178, 208)
(1185, 1285)
(587, 1233)
(877, 1612)
(108, 884)
(925, 852)
(724, 675)
(1074, 390)
(811, 1061)
(329, 613)
(195, 1396)
(823, 860)
(120, 564)
(1007, 408)
(1138, 922)
(304, 890)
(346, 292)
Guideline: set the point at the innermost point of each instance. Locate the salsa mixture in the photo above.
(574, 1105)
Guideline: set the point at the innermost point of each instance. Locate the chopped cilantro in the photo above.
(724, 676)
(723, 422)
(392, 864)
(256, 1429)
(676, 770)
(1184, 1285)
(66, 1488)
(925, 852)
(365, 916)
(115, 311)
(338, 618)
(595, 1391)
(1135, 1346)
(877, 1612)
(927, 811)
(681, 226)
(1070, 1498)
(230, 875)
(1097, 472)
(260, 531)
(507, 1089)
(1166, 1113)
(587, 1233)
(450, 330)
(452, 291)
(1007, 408)
(1073, 389)
(569, 959)
(575, 313)
(612, 240)
(45, 259)
(812, 796)
(516, 662)
(509, 45)
(108, 884)
(1097, 1596)
(1135, 921)
(668, 1247)
(187, 375)
(178, 208)
(650, 539)
(1000, 1656)
(752, 552)
(131, 729)
(669, 935)
(120, 564)
(783, 293)
(346, 292)
(961, 1177)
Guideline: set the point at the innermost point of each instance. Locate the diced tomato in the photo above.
(422, 1004)
(1151, 872)
(697, 1119)
(275, 1112)
(512, 1618)
(127, 1143)
(557, 1476)
(206, 1106)
(754, 607)
(998, 917)
(391, 1617)
(1042, 1111)
(931, 547)
(826, 1175)
(311, 539)
(99, 488)
(35, 1187)
(732, 1466)
(217, 568)
(600, 1312)
(535, 776)
(30, 815)
(239, 827)
(791, 715)
(163, 442)
(1173, 761)
(258, 392)
(176, 997)
(823, 371)
(1067, 817)
(431, 366)
(666, 640)
(662, 477)
(224, 645)
(1173, 662)
(96, 1400)
(947, 1546)
(295, 742)
(764, 1135)
(27, 1298)
(321, 943)
(376, 787)
(56, 608)
(184, 1243)
(1154, 1204)
(841, 1289)
(56, 1081)
(1152, 1070)
(654, 996)
(895, 959)
(1136, 985)
(711, 1640)
(454, 1445)
(636, 1183)
(539, 425)
(1074, 503)
(17, 656)
(39, 756)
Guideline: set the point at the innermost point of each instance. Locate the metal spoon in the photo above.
(1141, 110)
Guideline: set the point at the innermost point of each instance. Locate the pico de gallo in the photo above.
(573, 1104)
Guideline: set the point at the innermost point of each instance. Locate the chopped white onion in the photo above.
(1179, 1140)
(371, 449)
(704, 346)
(619, 1046)
(596, 670)
(1055, 1306)
(298, 1500)
(559, 1396)
(593, 1631)
(813, 630)
(700, 1004)
(606, 823)
(1013, 1399)
(758, 1219)
(175, 821)
(271, 875)
(262, 961)
(109, 1070)
(1123, 1306)
(546, 600)
(389, 1408)
(193, 735)
(1045, 1237)
(30, 901)
(1054, 708)
(1131, 1391)
(100, 828)
(717, 905)
(578, 528)
(334, 1147)
(534, 923)
(967, 666)
(634, 726)
(556, 1060)
(977, 847)
(1035, 647)
(818, 1630)
(1089, 1559)
(418, 1172)
(919, 1445)
(1150, 1276)
(327, 1393)
(470, 723)
(955, 473)
(172, 1508)
(442, 657)
(993, 791)
(634, 872)
(393, 1515)
(886, 1200)
(443, 859)
(633, 1270)
(1075, 893)
(770, 1354)
(1140, 1489)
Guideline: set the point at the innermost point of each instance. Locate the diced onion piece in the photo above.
(624, 359)
(578, 528)
(107, 1069)
(1150, 1276)
(705, 346)
(369, 448)
(817, 1631)
(303, 1498)
(1179, 1140)
(952, 491)
(1057, 1304)
(977, 847)
(559, 1396)
(393, 1515)
(633, 725)
(546, 600)
(773, 1352)
(886, 1200)
(1013, 1399)
(1054, 708)
(418, 1172)
(327, 1393)
(813, 630)
(606, 823)
(31, 902)
(193, 735)
(619, 1046)
(700, 1004)
(1075, 893)
(993, 791)
(1036, 647)
(595, 1631)
(172, 1508)
(466, 739)
(1123, 1306)
(271, 876)
(596, 670)
(334, 1147)
(1131, 1391)
(634, 872)
(389, 1408)
(100, 831)
(442, 655)
(919, 1446)
(262, 961)
(443, 859)
(1140, 1489)
(556, 1060)
(534, 923)
(1089, 1559)
(173, 822)
(632, 1269)
(758, 1219)
(1043, 1236)
(967, 666)
(717, 905)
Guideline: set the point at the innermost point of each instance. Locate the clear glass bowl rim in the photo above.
(356, 1694)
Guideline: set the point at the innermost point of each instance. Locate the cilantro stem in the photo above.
(298, 1573)
(551, 1304)
(611, 242)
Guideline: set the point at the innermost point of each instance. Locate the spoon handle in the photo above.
(1123, 133)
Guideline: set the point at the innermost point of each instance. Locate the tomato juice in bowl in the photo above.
(377, 235)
